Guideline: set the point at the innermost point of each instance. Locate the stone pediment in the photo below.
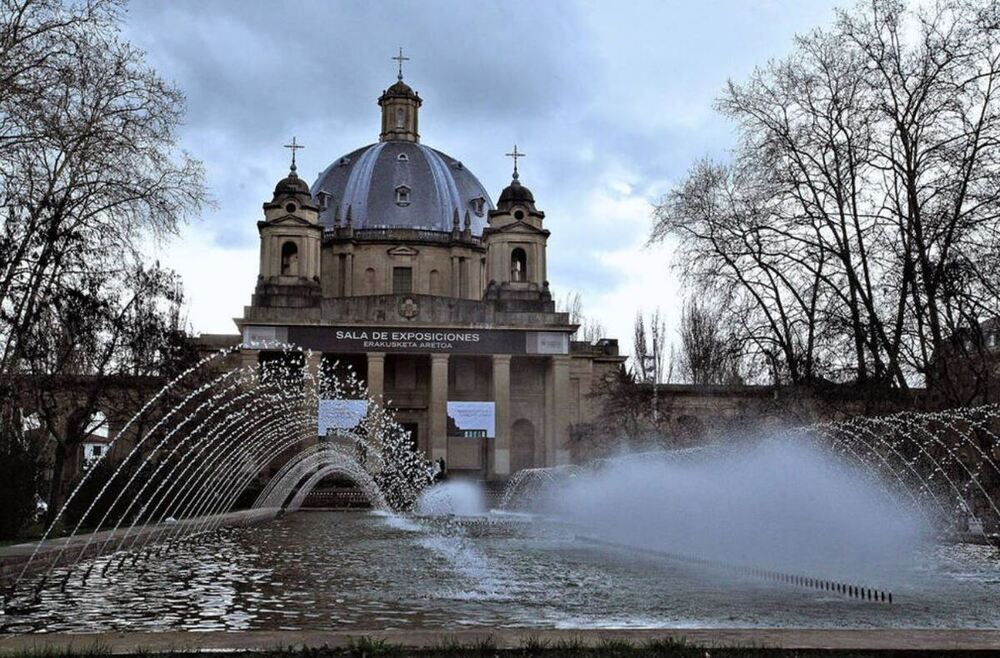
(402, 250)
(518, 227)
(287, 220)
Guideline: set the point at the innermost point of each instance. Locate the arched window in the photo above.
(434, 283)
(400, 117)
(370, 280)
(518, 265)
(290, 258)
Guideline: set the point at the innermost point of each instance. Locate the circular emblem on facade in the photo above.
(408, 308)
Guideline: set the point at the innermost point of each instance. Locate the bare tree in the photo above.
(571, 304)
(709, 352)
(642, 364)
(648, 340)
(89, 174)
(856, 226)
(88, 158)
(591, 330)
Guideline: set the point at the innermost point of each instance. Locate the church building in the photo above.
(397, 262)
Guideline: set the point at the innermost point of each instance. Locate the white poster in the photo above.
(472, 419)
(340, 414)
(254, 336)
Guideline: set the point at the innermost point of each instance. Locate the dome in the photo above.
(291, 184)
(399, 88)
(514, 194)
(401, 184)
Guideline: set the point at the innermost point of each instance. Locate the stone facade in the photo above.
(366, 269)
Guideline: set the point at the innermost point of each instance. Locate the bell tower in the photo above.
(400, 105)
(290, 235)
(516, 240)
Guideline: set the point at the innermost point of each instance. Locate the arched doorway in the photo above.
(522, 445)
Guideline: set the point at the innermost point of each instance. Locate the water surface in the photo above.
(353, 571)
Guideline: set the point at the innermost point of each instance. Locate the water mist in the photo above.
(775, 504)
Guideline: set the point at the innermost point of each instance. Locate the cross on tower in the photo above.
(294, 147)
(399, 58)
(515, 154)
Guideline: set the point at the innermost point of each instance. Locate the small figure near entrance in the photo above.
(439, 470)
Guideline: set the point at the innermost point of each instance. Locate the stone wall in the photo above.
(687, 415)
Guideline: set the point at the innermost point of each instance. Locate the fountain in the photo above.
(181, 477)
(941, 465)
(796, 528)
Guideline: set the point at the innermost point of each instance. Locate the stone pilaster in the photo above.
(557, 412)
(349, 275)
(455, 289)
(376, 375)
(501, 400)
(437, 408)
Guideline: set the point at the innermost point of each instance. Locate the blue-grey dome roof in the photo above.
(433, 185)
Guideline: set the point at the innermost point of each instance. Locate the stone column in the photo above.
(312, 364)
(376, 375)
(501, 400)
(557, 416)
(265, 252)
(437, 408)
(534, 273)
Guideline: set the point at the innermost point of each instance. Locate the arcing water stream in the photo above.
(220, 431)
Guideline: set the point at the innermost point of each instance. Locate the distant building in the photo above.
(966, 369)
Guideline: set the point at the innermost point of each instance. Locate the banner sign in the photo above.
(410, 340)
(340, 414)
(472, 419)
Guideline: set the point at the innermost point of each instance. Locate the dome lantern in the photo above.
(399, 105)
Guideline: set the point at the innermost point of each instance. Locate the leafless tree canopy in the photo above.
(89, 175)
(591, 330)
(89, 169)
(855, 228)
(709, 353)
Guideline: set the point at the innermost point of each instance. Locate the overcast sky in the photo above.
(611, 101)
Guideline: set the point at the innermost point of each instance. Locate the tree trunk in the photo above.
(56, 486)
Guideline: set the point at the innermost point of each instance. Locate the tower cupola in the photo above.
(290, 234)
(516, 240)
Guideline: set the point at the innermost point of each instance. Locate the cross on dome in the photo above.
(515, 154)
(294, 147)
(399, 58)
